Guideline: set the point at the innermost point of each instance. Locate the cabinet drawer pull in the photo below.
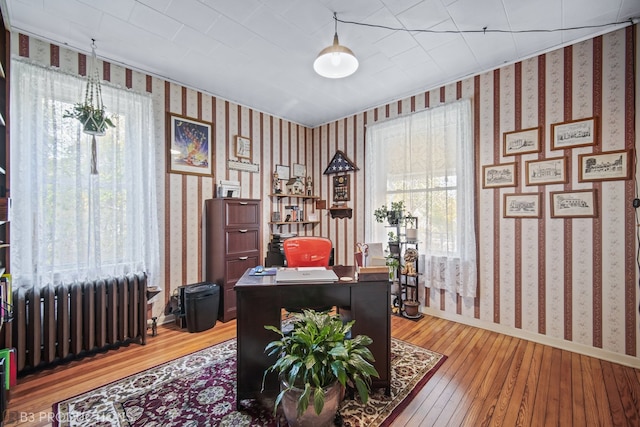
(243, 258)
(243, 203)
(242, 231)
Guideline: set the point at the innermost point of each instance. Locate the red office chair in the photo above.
(307, 251)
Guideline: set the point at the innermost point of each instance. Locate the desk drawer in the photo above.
(241, 213)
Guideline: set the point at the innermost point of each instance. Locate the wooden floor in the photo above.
(487, 379)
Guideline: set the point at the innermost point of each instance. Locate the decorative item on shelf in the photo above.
(309, 185)
(318, 336)
(275, 183)
(394, 243)
(295, 186)
(410, 259)
(91, 112)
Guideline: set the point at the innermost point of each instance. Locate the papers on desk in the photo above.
(265, 272)
(306, 275)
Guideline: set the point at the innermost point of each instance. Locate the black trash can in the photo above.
(201, 302)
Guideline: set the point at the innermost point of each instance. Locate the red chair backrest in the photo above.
(307, 251)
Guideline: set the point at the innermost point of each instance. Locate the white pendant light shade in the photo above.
(335, 61)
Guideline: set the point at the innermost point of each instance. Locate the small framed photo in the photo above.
(189, 145)
(299, 170)
(522, 205)
(283, 172)
(521, 142)
(502, 175)
(243, 147)
(574, 133)
(608, 166)
(574, 204)
(547, 171)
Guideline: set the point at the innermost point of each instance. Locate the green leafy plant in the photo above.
(316, 354)
(393, 237)
(93, 119)
(391, 214)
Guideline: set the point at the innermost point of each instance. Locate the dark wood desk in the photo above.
(260, 300)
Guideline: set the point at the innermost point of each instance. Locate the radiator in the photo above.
(68, 321)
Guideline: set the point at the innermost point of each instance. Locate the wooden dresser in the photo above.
(232, 235)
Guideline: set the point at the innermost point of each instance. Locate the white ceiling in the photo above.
(259, 53)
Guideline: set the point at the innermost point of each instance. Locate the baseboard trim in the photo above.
(609, 356)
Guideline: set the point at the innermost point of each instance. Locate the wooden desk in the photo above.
(260, 300)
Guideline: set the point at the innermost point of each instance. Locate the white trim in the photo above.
(622, 359)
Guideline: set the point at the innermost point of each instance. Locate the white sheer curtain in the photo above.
(68, 224)
(427, 160)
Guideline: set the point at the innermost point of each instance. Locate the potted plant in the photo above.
(94, 119)
(316, 361)
(410, 223)
(393, 214)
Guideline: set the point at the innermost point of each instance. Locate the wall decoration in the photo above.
(521, 142)
(299, 170)
(574, 133)
(501, 175)
(547, 171)
(283, 172)
(340, 164)
(605, 166)
(574, 204)
(243, 147)
(341, 188)
(189, 145)
(522, 205)
(243, 166)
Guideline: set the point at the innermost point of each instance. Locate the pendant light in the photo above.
(335, 61)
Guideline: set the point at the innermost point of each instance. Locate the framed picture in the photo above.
(574, 204)
(547, 171)
(605, 166)
(502, 175)
(283, 172)
(189, 145)
(299, 170)
(341, 188)
(522, 205)
(243, 147)
(521, 141)
(575, 133)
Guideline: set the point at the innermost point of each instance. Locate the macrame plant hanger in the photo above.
(96, 121)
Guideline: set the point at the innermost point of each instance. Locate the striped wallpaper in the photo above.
(571, 283)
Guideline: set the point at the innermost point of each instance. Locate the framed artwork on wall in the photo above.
(189, 145)
(299, 170)
(523, 205)
(243, 147)
(521, 142)
(547, 171)
(574, 204)
(574, 133)
(613, 165)
(283, 172)
(501, 175)
(341, 188)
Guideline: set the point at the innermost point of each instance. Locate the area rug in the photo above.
(199, 390)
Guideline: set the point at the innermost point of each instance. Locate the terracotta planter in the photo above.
(411, 308)
(333, 396)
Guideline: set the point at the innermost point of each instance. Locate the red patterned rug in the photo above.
(199, 390)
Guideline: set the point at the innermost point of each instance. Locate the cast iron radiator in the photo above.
(68, 321)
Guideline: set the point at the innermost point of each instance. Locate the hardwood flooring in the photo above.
(488, 379)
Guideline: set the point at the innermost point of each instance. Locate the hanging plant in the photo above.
(94, 120)
(91, 112)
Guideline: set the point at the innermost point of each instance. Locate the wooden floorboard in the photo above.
(488, 379)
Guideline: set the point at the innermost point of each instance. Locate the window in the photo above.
(426, 160)
(67, 223)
